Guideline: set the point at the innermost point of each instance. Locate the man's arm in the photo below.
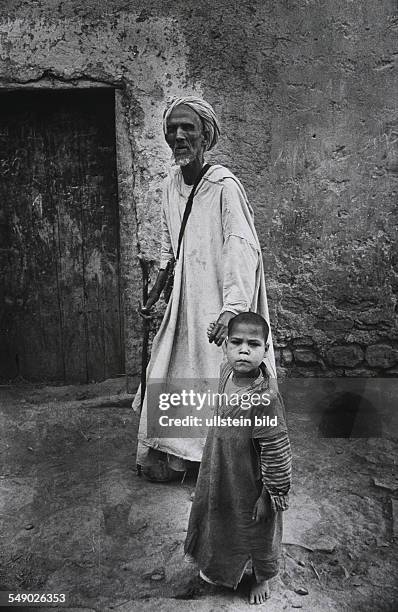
(166, 259)
(240, 261)
(154, 293)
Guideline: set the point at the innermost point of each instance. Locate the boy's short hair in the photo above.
(252, 318)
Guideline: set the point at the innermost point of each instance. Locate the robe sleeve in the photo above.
(166, 249)
(240, 252)
(276, 469)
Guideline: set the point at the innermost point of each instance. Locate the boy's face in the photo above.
(246, 348)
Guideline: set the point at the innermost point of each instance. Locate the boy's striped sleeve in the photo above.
(276, 469)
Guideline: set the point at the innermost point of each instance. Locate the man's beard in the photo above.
(183, 159)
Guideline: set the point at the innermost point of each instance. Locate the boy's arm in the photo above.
(276, 469)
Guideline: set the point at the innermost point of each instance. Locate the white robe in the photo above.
(220, 268)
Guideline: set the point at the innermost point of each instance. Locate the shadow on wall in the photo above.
(349, 415)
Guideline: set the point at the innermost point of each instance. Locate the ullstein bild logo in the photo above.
(218, 421)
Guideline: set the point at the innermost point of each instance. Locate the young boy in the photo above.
(244, 477)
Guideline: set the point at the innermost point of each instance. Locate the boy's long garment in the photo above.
(237, 462)
(220, 268)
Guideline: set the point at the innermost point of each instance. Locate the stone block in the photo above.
(373, 316)
(335, 325)
(287, 356)
(361, 336)
(345, 356)
(305, 356)
(360, 373)
(381, 356)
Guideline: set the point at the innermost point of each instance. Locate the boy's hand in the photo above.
(262, 510)
(219, 329)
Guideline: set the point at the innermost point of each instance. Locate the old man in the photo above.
(218, 274)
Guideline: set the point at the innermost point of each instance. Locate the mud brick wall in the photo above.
(306, 93)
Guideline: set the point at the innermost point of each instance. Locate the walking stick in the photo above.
(145, 336)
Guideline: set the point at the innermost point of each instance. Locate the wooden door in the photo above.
(60, 302)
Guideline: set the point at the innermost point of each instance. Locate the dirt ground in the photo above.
(76, 518)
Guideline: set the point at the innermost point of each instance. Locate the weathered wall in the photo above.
(306, 92)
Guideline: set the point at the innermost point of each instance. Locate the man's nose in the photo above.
(180, 134)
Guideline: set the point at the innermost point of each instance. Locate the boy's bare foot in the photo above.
(259, 592)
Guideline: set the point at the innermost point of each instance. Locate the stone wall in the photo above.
(306, 93)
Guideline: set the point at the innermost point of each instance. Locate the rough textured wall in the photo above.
(306, 91)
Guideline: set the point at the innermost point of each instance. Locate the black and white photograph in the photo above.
(198, 305)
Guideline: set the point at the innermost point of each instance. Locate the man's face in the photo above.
(246, 348)
(184, 135)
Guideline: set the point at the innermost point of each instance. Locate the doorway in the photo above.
(60, 301)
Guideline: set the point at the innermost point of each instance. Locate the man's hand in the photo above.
(210, 329)
(154, 295)
(262, 510)
(146, 311)
(218, 331)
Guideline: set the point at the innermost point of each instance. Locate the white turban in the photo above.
(205, 112)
